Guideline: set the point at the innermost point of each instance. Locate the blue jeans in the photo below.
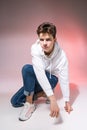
(31, 85)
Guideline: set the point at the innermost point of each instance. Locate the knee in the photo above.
(14, 103)
(27, 68)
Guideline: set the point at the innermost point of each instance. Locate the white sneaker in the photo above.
(27, 111)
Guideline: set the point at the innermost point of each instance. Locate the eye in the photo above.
(48, 39)
(41, 39)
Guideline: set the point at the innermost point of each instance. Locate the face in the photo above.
(47, 42)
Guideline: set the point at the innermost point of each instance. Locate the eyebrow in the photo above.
(47, 39)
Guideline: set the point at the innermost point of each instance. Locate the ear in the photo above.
(55, 39)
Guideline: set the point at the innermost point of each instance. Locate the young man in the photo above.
(48, 62)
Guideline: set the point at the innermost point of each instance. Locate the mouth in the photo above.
(45, 47)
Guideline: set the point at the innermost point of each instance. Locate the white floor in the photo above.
(40, 119)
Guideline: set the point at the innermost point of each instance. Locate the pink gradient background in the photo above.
(18, 22)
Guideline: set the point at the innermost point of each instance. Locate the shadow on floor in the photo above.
(74, 92)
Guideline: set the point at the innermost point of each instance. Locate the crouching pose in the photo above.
(49, 66)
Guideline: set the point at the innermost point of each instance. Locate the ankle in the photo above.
(29, 99)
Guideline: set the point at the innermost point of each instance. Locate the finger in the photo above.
(69, 110)
(54, 114)
(66, 108)
(57, 114)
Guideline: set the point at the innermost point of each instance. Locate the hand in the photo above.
(68, 107)
(53, 107)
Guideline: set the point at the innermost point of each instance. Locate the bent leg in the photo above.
(31, 85)
(18, 99)
(29, 79)
(30, 82)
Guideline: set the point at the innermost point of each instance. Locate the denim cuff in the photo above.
(26, 93)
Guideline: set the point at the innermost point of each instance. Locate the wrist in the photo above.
(67, 102)
(52, 98)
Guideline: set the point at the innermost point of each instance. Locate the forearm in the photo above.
(52, 98)
(53, 106)
(43, 80)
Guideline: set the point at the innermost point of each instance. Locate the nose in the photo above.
(44, 43)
